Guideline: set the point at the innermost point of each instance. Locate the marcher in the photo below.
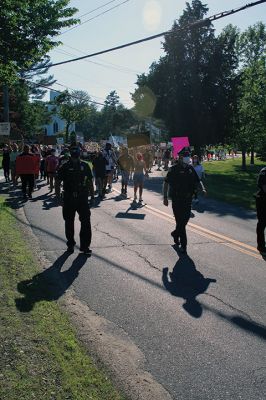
(51, 164)
(77, 186)
(198, 167)
(182, 180)
(6, 162)
(140, 171)
(13, 155)
(27, 160)
(110, 157)
(42, 163)
(261, 211)
(64, 156)
(166, 159)
(126, 164)
(146, 158)
(99, 170)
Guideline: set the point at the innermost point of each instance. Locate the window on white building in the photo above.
(55, 127)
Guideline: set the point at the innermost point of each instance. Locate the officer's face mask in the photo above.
(186, 160)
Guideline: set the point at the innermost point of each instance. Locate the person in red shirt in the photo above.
(51, 164)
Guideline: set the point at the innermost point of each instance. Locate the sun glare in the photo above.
(152, 14)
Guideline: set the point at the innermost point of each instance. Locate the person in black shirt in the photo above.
(77, 186)
(261, 211)
(6, 162)
(182, 181)
(99, 168)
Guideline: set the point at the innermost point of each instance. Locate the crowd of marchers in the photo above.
(73, 180)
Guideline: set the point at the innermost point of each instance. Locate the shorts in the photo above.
(138, 178)
(125, 177)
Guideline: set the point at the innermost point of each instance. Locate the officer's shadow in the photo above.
(186, 282)
(50, 284)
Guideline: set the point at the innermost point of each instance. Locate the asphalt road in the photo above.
(198, 319)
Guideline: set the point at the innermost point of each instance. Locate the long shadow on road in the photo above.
(50, 284)
(220, 209)
(27, 303)
(187, 282)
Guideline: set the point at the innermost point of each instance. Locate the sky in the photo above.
(129, 20)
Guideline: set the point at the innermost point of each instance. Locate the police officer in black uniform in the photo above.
(183, 182)
(261, 211)
(77, 186)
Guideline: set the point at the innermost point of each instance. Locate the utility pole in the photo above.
(6, 103)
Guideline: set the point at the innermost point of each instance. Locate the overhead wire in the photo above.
(94, 17)
(104, 61)
(95, 9)
(94, 82)
(149, 38)
(116, 68)
(59, 91)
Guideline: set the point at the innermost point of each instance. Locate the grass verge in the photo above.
(227, 182)
(41, 357)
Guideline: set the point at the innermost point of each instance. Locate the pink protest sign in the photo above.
(178, 144)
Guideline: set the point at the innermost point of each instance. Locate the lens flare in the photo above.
(152, 14)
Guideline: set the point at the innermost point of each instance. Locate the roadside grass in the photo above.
(226, 181)
(41, 357)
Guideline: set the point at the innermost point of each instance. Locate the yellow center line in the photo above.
(216, 237)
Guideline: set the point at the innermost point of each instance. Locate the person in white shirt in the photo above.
(198, 167)
(111, 161)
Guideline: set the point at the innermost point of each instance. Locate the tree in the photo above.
(27, 29)
(72, 107)
(190, 86)
(36, 78)
(251, 109)
(115, 118)
(252, 89)
(27, 117)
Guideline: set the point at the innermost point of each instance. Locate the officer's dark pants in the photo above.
(182, 211)
(261, 213)
(81, 206)
(27, 180)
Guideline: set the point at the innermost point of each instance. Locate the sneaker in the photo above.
(30, 196)
(140, 200)
(86, 251)
(70, 249)
(183, 250)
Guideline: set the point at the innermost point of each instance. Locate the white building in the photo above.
(57, 124)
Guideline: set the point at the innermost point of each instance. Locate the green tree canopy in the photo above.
(73, 107)
(190, 87)
(27, 31)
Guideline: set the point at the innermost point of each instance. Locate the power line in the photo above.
(192, 25)
(123, 89)
(96, 16)
(116, 68)
(60, 92)
(95, 9)
(130, 70)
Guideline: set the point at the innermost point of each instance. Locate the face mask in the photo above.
(186, 160)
